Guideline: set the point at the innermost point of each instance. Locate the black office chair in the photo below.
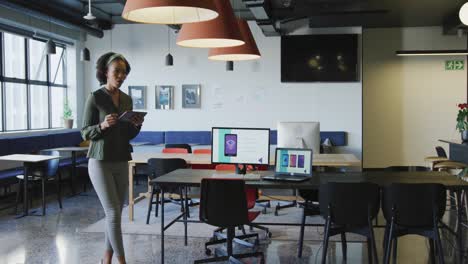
(157, 168)
(310, 208)
(349, 207)
(413, 209)
(185, 146)
(223, 203)
(44, 172)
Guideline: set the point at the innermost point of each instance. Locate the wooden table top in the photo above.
(332, 160)
(70, 149)
(189, 177)
(28, 157)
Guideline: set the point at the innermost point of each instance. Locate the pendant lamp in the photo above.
(50, 47)
(169, 11)
(463, 14)
(220, 32)
(85, 54)
(248, 51)
(169, 58)
(229, 66)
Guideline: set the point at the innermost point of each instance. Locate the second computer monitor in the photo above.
(240, 145)
(299, 135)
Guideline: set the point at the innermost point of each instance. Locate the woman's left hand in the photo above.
(137, 120)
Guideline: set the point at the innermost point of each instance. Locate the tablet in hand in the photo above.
(128, 115)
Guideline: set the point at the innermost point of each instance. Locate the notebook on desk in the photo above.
(292, 164)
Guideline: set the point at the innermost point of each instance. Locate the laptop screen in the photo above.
(292, 161)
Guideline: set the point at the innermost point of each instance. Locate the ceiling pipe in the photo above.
(62, 19)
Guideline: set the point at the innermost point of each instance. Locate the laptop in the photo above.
(292, 164)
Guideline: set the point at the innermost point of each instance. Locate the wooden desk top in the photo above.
(331, 160)
(71, 149)
(188, 177)
(28, 157)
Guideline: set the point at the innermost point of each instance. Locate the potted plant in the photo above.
(67, 115)
(462, 124)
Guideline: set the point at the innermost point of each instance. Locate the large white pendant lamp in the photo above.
(169, 11)
(463, 14)
(248, 51)
(222, 31)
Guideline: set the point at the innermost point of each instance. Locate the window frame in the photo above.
(30, 83)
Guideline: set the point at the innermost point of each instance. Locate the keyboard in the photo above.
(246, 177)
(288, 178)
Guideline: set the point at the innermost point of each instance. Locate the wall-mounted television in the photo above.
(319, 58)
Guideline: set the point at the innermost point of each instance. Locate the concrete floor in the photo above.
(54, 239)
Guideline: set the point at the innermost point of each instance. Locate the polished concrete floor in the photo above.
(54, 239)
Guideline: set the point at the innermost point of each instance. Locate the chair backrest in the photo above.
(223, 202)
(184, 146)
(441, 152)
(174, 150)
(350, 203)
(50, 167)
(225, 167)
(159, 167)
(414, 205)
(202, 151)
(407, 168)
(251, 193)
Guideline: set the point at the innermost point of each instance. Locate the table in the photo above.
(328, 160)
(73, 151)
(184, 178)
(28, 160)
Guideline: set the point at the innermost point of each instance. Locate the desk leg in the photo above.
(131, 202)
(162, 226)
(185, 213)
(73, 172)
(25, 189)
(460, 225)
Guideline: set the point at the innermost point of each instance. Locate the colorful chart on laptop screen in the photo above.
(293, 161)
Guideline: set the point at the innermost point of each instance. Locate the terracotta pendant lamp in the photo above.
(219, 32)
(169, 11)
(248, 51)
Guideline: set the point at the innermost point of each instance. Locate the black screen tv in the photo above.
(319, 58)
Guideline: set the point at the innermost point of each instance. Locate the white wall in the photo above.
(251, 96)
(409, 102)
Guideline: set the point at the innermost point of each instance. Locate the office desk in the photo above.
(28, 160)
(192, 178)
(325, 160)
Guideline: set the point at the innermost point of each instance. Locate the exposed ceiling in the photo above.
(274, 16)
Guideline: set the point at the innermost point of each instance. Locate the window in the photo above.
(34, 84)
(16, 106)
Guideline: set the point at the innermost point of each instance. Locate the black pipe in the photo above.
(58, 18)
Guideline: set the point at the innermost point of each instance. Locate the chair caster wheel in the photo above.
(208, 252)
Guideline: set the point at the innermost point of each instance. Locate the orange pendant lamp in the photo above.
(219, 32)
(169, 11)
(248, 51)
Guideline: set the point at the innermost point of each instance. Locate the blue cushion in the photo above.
(10, 173)
(338, 138)
(23, 145)
(180, 137)
(4, 146)
(65, 139)
(154, 137)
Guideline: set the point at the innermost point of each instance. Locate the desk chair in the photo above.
(202, 151)
(413, 209)
(310, 208)
(223, 204)
(157, 168)
(407, 168)
(44, 172)
(349, 207)
(184, 146)
(175, 150)
(251, 194)
(441, 162)
(203, 166)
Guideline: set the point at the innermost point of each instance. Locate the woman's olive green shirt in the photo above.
(113, 143)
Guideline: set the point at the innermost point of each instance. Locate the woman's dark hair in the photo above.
(101, 67)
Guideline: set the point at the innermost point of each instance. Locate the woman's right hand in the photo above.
(109, 121)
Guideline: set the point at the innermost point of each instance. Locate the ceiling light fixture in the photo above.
(229, 66)
(220, 32)
(248, 51)
(169, 11)
(463, 14)
(85, 55)
(169, 58)
(90, 15)
(431, 52)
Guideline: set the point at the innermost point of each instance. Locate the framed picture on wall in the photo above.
(164, 97)
(191, 96)
(138, 95)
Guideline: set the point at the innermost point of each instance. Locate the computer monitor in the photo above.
(299, 135)
(240, 145)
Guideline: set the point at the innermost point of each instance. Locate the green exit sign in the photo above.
(454, 65)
